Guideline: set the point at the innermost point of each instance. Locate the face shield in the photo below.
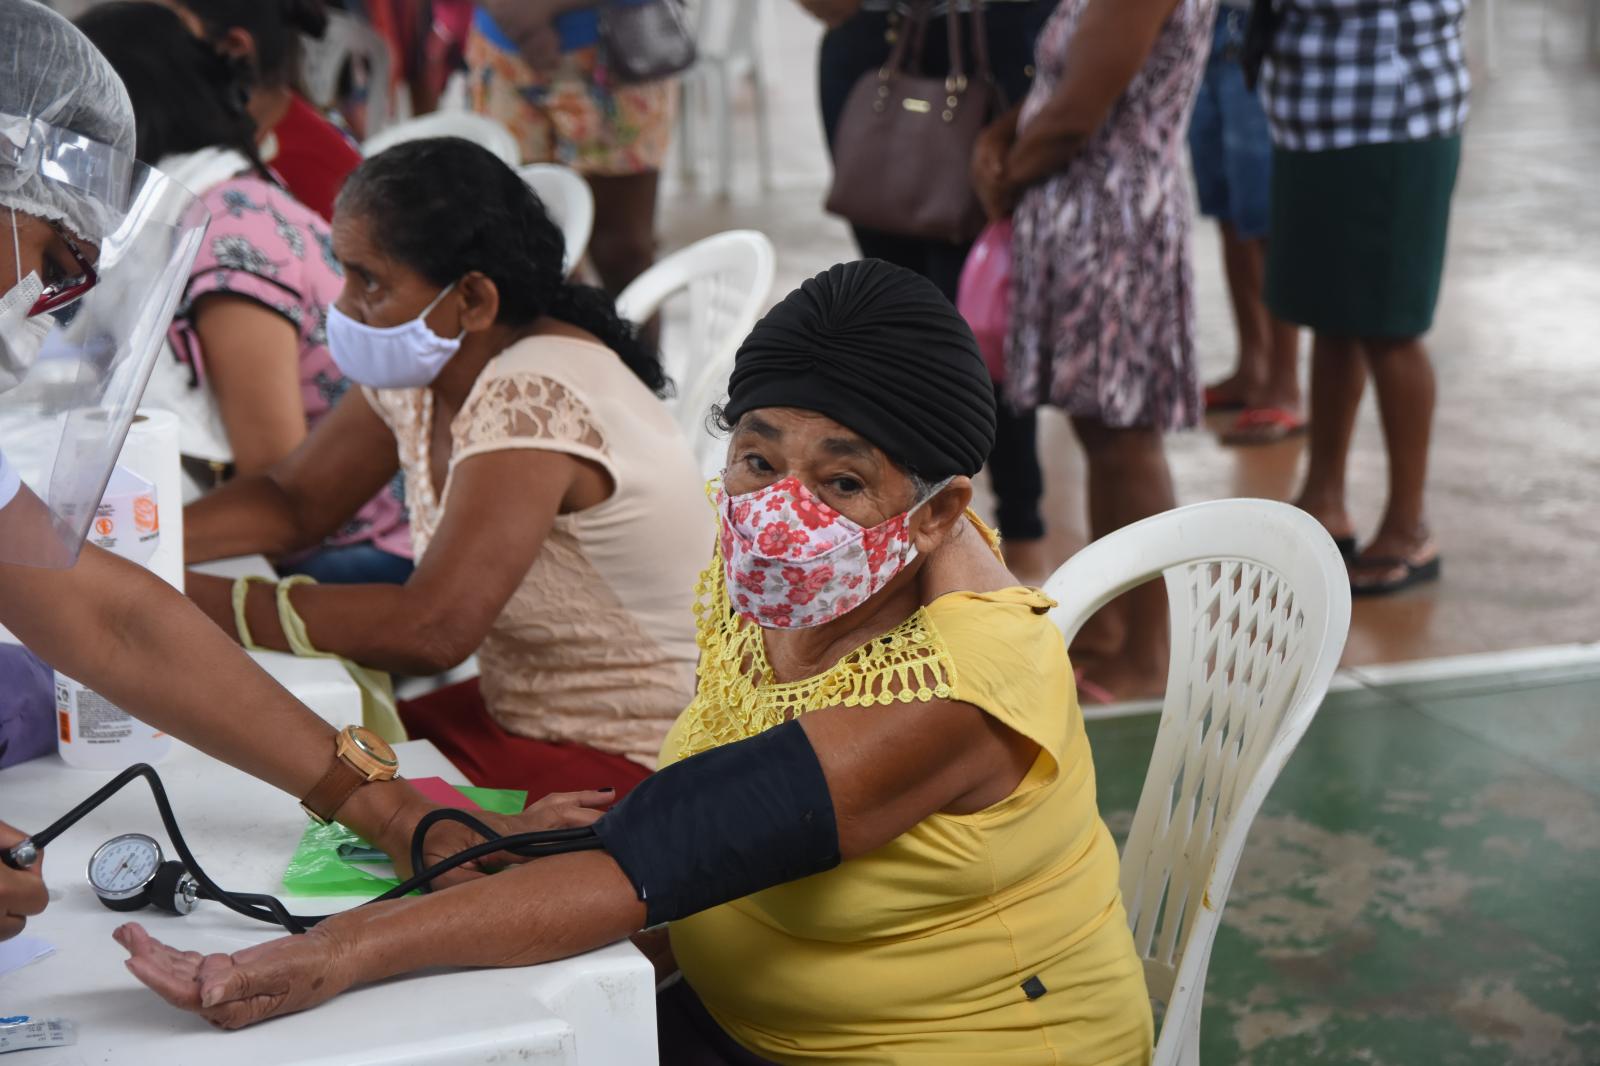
(76, 348)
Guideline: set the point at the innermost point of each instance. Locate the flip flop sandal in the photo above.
(1265, 425)
(1414, 574)
(1215, 401)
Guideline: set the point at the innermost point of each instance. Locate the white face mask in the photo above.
(407, 356)
(21, 337)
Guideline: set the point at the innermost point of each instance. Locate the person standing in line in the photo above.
(537, 67)
(1367, 104)
(1102, 309)
(1230, 145)
(860, 37)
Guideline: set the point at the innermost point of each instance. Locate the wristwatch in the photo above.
(359, 756)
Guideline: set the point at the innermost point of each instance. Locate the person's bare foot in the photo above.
(1333, 516)
(1395, 560)
(1028, 561)
(1230, 394)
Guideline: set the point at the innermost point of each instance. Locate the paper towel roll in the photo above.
(151, 452)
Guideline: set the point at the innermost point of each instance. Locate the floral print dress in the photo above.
(1102, 309)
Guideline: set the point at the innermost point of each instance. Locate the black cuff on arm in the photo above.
(725, 823)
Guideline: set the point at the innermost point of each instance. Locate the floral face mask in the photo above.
(793, 562)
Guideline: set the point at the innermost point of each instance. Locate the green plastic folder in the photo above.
(317, 868)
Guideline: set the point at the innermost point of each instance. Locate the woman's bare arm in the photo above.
(1110, 45)
(501, 507)
(134, 638)
(304, 497)
(252, 362)
(887, 769)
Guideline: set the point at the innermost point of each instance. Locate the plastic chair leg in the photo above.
(688, 167)
(722, 126)
(758, 96)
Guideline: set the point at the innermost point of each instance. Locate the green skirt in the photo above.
(1358, 236)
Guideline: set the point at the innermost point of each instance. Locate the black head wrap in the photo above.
(878, 349)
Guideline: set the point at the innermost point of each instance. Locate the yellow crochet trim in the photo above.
(734, 700)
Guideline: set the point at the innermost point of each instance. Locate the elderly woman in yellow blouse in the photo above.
(874, 832)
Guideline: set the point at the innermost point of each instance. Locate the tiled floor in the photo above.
(1516, 470)
(1422, 886)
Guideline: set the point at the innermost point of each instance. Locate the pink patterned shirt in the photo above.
(266, 245)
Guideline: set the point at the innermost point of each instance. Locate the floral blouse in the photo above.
(265, 245)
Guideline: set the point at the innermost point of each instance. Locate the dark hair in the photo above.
(275, 25)
(445, 207)
(185, 96)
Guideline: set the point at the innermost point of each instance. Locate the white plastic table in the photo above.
(595, 1010)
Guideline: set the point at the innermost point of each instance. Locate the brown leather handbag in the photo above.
(903, 147)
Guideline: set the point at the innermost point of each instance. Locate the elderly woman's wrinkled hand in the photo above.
(559, 810)
(292, 973)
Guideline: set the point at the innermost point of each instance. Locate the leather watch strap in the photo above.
(330, 793)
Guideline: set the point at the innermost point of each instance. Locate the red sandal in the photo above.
(1265, 425)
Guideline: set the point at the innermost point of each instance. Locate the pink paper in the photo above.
(438, 791)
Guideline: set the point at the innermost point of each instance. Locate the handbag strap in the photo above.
(980, 42)
(982, 71)
(896, 63)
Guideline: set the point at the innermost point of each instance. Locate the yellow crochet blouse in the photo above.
(996, 937)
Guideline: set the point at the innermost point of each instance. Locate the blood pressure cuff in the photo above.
(725, 823)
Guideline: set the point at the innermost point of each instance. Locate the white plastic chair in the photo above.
(468, 125)
(570, 202)
(1260, 609)
(726, 280)
(728, 51)
(348, 40)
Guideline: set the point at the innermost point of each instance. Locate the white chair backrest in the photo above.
(479, 129)
(570, 202)
(346, 40)
(1260, 609)
(725, 281)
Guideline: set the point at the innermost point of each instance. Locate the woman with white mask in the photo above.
(93, 249)
(247, 370)
(552, 496)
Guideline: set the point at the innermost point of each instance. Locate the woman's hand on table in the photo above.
(292, 973)
(22, 892)
(559, 810)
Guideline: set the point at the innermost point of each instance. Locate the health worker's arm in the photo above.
(135, 639)
(886, 771)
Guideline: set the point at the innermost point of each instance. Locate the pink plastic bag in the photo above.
(984, 294)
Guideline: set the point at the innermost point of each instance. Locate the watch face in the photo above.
(372, 745)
